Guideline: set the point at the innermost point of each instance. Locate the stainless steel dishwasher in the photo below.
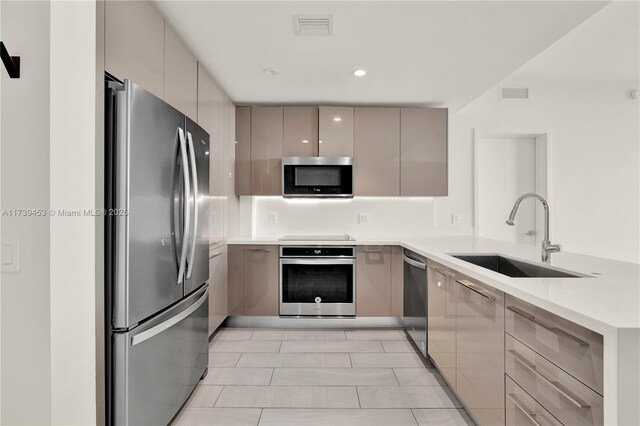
(415, 299)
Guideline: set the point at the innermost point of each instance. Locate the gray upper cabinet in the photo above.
(300, 131)
(377, 151)
(243, 150)
(134, 44)
(180, 75)
(335, 130)
(266, 150)
(423, 151)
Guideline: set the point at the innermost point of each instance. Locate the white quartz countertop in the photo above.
(606, 300)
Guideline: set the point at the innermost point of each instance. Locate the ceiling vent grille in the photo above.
(313, 25)
(514, 93)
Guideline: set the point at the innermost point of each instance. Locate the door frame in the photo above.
(543, 143)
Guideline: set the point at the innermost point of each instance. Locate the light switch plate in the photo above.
(9, 252)
(364, 218)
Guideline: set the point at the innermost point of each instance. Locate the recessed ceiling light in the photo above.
(305, 141)
(206, 153)
(360, 73)
(271, 72)
(337, 118)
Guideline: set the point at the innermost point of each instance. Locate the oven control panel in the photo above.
(317, 251)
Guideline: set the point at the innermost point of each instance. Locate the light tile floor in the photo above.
(319, 377)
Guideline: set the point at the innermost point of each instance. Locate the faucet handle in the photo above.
(552, 248)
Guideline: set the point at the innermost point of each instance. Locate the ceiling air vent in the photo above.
(514, 93)
(313, 25)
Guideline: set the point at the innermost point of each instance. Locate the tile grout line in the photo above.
(217, 397)
(260, 416)
(414, 416)
(358, 395)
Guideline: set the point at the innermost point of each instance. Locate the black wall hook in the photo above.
(11, 63)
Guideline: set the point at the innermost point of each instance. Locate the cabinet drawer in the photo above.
(569, 400)
(523, 410)
(570, 346)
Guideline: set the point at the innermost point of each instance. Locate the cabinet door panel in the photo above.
(300, 131)
(210, 118)
(218, 295)
(397, 281)
(335, 129)
(235, 275)
(266, 150)
(423, 148)
(441, 323)
(180, 75)
(480, 350)
(373, 281)
(243, 151)
(134, 44)
(377, 151)
(261, 280)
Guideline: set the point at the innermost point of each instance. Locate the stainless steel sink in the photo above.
(512, 267)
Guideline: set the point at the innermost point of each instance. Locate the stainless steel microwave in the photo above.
(329, 177)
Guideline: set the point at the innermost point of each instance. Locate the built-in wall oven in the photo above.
(415, 299)
(317, 280)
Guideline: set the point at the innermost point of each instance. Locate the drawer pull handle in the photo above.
(261, 249)
(476, 289)
(555, 385)
(571, 338)
(520, 406)
(373, 251)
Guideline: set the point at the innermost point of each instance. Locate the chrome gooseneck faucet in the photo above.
(547, 247)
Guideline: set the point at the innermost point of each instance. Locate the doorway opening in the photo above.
(508, 164)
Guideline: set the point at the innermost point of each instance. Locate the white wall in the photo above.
(25, 368)
(73, 239)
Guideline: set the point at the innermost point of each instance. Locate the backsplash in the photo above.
(387, 216)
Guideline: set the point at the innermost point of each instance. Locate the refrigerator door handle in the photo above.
(192, 155)
(187, 206)
(148, 334)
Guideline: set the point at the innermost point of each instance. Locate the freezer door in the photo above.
(148, 185)
(158, 364)
(198, 251)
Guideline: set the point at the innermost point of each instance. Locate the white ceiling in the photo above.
(443, 53)
(605, 48)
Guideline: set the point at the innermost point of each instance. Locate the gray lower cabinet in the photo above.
(253, 280)
(555, 362)
(218, 290)
(235, 277)
(479, 349)
(373, 281)
(441, 320)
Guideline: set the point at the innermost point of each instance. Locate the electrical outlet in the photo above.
(455, 218)
(273, 217)
(364, 218)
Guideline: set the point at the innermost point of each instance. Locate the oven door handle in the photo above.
(322, 261)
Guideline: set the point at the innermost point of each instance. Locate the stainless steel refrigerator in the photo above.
(157, 256)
